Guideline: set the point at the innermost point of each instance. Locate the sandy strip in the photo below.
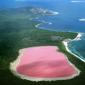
(13, 66)
(78, 37)
(41, 23)
(65, 42)
(37, 26)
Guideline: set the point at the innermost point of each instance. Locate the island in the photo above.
(18, 32)
(43, 11)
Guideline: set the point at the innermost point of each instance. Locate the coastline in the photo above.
(26, 35)
(65, 42)
(42, 22)
(14, 64)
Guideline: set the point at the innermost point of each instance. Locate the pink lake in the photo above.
(45, 62)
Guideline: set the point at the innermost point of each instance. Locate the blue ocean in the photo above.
(71, 18)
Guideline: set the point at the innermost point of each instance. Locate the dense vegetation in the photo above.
(17, 31)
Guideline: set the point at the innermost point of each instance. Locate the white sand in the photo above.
(65, 42)
(13, 66)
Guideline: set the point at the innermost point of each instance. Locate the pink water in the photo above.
(44, 62)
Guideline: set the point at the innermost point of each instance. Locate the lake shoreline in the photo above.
(14, 64)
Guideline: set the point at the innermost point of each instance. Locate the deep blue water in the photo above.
(66, 20)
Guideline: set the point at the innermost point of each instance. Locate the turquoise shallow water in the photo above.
(67, 19)
(78, 47)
